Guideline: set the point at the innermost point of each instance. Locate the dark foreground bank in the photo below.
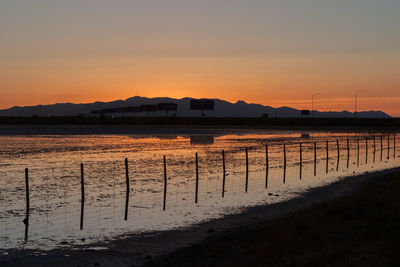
(361, 229)
(353, 222)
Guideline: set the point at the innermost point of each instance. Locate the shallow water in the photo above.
(55, 181)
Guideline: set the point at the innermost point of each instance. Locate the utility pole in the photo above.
(312, 104)
(355, 101)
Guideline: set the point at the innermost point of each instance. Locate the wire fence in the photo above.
(65, 204)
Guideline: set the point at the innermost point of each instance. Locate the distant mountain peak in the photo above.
(223, 108)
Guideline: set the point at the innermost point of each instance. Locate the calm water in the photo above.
(54, 176)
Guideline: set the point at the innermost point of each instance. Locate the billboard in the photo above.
(202, 104)
(167, 106)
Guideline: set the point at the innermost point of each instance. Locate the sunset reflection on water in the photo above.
(54, 168)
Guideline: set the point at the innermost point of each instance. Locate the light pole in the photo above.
(355, 101)
(312, 104)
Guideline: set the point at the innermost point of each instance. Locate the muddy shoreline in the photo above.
(133, 250)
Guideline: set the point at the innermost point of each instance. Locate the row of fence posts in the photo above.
(26, 220)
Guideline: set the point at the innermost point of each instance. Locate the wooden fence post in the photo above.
(348, 152)
(127, 189)
(338, 154)
(374, 148)
(266, 166)
(27, 212)
(247, 169)
(223, 170)
(315, 158)
(301, 160)
(197, 180)
(165, 184)
(366, 150)
(381, 147)
(327, 156)
(82, 196)
(358, 152)
(284, 163)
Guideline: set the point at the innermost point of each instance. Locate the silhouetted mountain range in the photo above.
(222, 109)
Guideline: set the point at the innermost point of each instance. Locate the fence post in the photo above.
(266, 165)
(197, 180)
(338, 154)
(388, 147)
(348, 152)
(315, 158)
(165, 184)
(127, 189)
(358, 152)
(284, 163)
(374, 148)
(327, 156)
(394, 145)
(366, 150)
(381, 147)
(82, 196)
(223, 170)
(247, 169)
(301, 159)
(26, 220)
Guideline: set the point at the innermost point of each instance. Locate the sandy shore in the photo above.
(136, 250)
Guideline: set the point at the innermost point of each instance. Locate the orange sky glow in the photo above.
(232, 50)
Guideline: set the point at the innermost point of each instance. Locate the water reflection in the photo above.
(207, 176)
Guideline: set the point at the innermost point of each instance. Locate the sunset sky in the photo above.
(272, 52)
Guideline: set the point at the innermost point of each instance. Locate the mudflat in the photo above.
(351, 222)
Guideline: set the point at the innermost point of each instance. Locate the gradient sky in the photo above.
(273, 52)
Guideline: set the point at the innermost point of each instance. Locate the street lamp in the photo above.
(355, 101)
(312, 104)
